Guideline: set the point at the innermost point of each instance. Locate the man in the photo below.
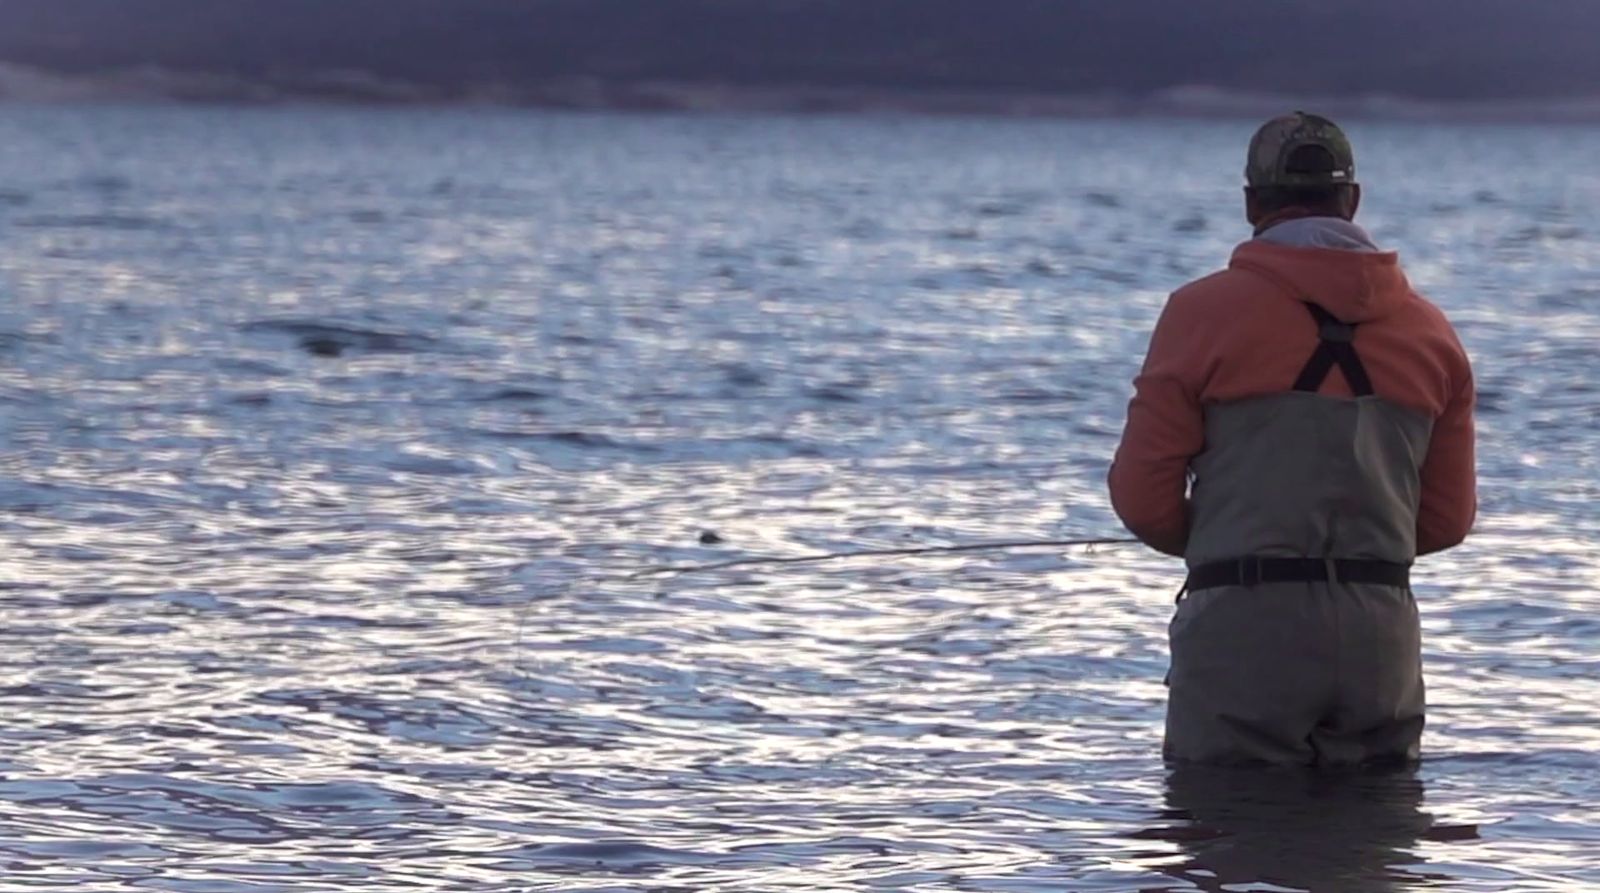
(1323, 412)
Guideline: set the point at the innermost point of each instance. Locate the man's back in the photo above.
(1245, 333)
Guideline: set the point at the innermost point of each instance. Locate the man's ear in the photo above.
(1252, 212)
(1355, 201)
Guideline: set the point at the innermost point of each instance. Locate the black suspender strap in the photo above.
(1337, 347)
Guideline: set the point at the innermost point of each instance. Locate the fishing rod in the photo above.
(881, 553)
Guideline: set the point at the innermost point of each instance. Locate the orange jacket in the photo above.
(1245, 332)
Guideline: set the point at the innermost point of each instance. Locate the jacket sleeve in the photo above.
(1449, 475)
(1165, 429)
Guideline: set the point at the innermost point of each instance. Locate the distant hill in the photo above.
(677, 52)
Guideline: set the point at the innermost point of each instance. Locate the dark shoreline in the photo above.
(25, 85)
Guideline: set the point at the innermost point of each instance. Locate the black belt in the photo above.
(1254, 571)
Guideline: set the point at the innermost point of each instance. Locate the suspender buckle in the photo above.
(1336, 347)
(1337, 332)
(1249, 572)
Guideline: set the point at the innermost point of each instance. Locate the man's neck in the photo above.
(1286, 215)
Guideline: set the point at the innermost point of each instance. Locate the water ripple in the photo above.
(328, 455)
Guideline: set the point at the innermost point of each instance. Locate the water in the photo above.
(329, 438)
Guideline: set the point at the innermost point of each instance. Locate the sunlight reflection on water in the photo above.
(328, 451)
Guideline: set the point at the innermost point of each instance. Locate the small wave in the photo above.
(436, 466)
(613, 854)
(1551, 758)
(585, 439)
(254, 399)
(595, 441)
(741, 375)
(110, 184)
(121, 222)
(1116, 277)
(1539, 232)
(513, 395)
(1001, 209)
(838, 392)
(1575, 299)
(330, 340)
(252, 367)
(1039, 395)
(30, 496)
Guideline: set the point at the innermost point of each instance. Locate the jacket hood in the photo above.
(1355, 286)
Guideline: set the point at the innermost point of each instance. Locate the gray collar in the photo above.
(1321, 232)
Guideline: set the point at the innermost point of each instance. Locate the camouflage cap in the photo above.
(1276, 141)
